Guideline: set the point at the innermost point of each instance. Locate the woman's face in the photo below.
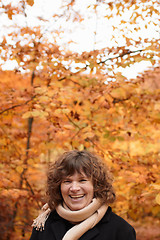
(77, 191)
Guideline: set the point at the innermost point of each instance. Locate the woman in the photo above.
(79, 189)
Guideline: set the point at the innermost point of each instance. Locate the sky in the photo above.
(83, 35)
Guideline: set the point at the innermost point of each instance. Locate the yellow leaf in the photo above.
(27, 115)
(91, 65)
(58, 111)
(88, 135)
(3, 141)
(156, 186)
(19, 169)
(155, 116)
(50, 145)
(43, 99)
(30, 161)
(68, 126)
(118, 145)
(65, 111)
(156, 210)
(36, 113)
(53, 104)
(39, 113)
(44, 114)
(81, 147)
(101, 99)
(136, 148)
(109, 98)
(158, 198)
(37, 106)
(40, 90)
(119, 93)
(75, 144)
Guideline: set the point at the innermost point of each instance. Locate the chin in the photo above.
(78, 207)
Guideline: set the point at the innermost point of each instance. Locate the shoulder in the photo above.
(43, 232)
(53, 216)
(119, 221)
(121, 227)
(113, 217)
(40, 223)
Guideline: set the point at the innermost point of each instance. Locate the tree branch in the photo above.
(121, 55)
(17, 105)
(72, 122)
(104, 61)
(22, 175)
(72, 74)
(31, 189)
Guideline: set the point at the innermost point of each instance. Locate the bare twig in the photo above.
(17, 105)
(100, 62)
(121, 55)
(72, 122)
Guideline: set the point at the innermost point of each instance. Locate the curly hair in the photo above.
(79, 161)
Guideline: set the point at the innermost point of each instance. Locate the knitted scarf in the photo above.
(85, 218)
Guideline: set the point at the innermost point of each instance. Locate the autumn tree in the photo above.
(57, 99)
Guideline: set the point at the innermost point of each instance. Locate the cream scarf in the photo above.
(85, 218)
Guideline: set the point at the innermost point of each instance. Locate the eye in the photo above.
(83, 180)
(66, 181)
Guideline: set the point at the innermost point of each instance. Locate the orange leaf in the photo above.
(30, 2)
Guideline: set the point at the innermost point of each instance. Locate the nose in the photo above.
(75, 187)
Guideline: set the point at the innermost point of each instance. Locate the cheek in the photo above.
(64, 189)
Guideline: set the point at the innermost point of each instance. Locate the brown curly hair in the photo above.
(79, 161)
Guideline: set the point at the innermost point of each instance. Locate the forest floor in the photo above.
(148, 230)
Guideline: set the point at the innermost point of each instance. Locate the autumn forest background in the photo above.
(56, 98)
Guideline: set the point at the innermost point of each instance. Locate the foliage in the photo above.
(57, 100)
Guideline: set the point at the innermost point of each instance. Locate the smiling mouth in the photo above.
(77, 197)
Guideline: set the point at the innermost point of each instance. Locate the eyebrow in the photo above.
(80, 176)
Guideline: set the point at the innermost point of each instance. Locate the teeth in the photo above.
(77, 196)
